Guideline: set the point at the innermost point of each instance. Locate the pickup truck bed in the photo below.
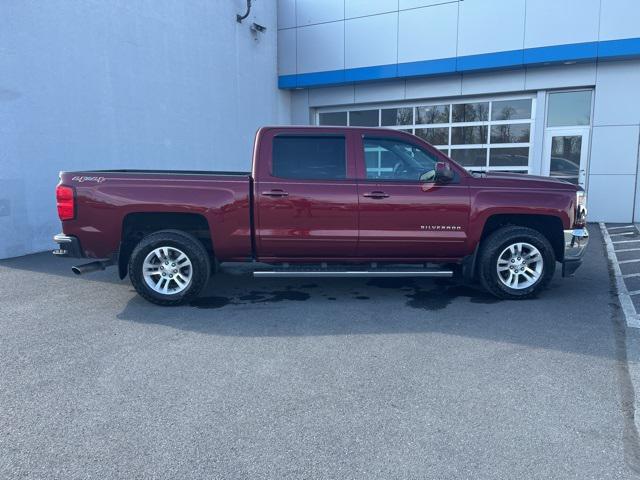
(110, 203)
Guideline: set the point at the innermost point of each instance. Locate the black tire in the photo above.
(185, 242)
(491, 249)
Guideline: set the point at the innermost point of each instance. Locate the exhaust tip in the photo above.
(90, 267)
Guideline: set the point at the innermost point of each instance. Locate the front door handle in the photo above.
(275, 193)
(376, 195)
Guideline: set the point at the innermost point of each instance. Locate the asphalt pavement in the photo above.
(329, 378)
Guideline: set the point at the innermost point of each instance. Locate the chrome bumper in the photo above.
(69, 246)
(575, 244)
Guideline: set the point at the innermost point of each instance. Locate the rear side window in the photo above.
(309, 158)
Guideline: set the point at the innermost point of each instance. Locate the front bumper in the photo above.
(69, 246)
(575, 244)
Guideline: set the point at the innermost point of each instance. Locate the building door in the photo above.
(566, 151)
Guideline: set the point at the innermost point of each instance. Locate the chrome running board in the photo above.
(351, 273)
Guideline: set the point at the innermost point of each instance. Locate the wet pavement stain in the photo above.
(392, 282)
(440, 294)
(210, 302)
(251, 298)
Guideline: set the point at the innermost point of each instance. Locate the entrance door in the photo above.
(566, 151)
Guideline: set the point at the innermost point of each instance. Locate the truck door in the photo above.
(402, 216)
(306, 195)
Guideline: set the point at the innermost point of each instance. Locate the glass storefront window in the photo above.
(508, 157)
(470, 112)
(511, 109)
(470, 157)
(491, 134)
(432, 114)
(363, 118)
(397, 116)
(510, 133)
(332, 118)
(566, 109)
(435, 136)
(468, 135)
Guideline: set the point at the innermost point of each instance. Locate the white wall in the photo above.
(614, 145)
(341, 34)
(87, 84)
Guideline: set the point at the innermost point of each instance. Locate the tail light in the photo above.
(66, 202)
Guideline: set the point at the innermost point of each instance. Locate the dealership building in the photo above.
(544, 87)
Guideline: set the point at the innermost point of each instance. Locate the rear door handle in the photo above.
(376, 195)
(275, 193)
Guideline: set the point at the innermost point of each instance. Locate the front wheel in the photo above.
(516, 262)
(169, 267)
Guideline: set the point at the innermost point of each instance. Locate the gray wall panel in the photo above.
(89, 85)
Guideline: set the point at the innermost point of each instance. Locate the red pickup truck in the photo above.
(324, 202)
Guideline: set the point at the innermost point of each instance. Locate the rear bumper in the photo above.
(575, 244)
(69, 246)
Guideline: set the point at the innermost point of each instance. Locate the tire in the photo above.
(162, 255)
(508, 266)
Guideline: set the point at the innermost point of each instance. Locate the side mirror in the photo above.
(444, 174)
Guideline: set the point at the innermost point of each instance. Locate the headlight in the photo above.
(581, 208)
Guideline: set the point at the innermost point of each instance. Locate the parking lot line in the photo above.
(628, 275)
(628, 308)
(634, 260)
(634, 292)
(624, 241)
(620, 228)
(628, 250)
(623, 233)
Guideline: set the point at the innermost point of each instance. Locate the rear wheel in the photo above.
(169, 267)
(516, 262)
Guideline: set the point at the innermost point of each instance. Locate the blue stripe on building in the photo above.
(575, 52)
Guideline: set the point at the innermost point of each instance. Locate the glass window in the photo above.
(468, 135)
(569, 108)
(321, 158)
(511, 109)
(470, 112)
(333, 118)
(509, 157)
(396, 160)
(432, 114)
(500, 123)
(510, 133)
(397, 116)
(363, 118)
(435, 136)
(470, 157)
(565, 157)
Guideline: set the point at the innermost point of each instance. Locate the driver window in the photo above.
(388, 159)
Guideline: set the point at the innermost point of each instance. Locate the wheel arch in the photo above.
(551, 226)
(137, 225)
